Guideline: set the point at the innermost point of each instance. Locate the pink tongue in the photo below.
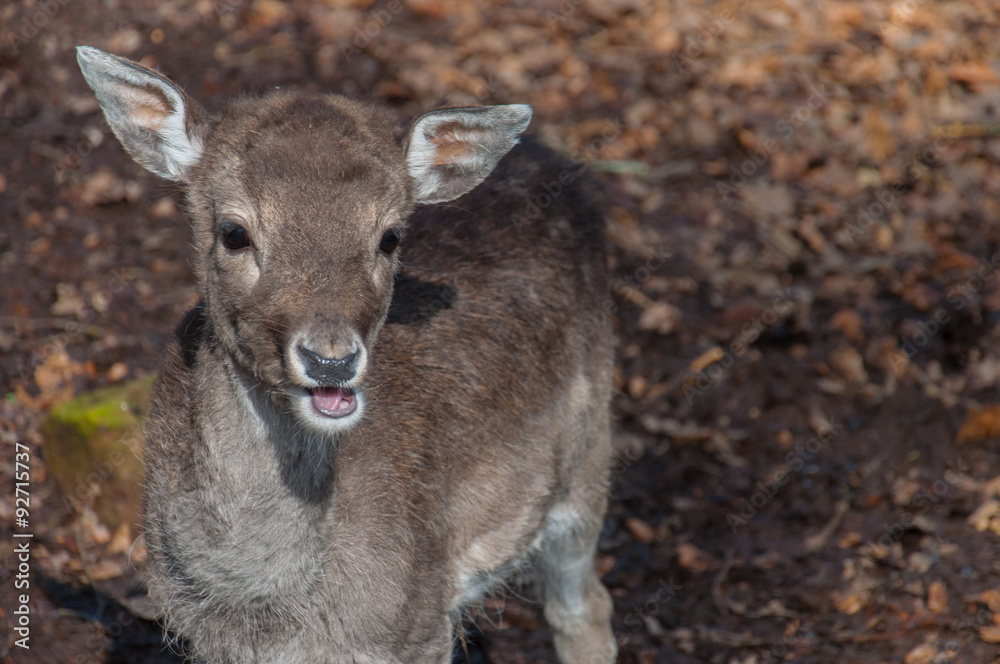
(334, 401)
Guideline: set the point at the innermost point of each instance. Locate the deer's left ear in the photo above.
(155, 121)
(452, 150)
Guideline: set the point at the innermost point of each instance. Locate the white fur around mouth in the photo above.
(330, 409)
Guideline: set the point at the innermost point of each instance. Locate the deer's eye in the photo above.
(390, 240)
(235, 237)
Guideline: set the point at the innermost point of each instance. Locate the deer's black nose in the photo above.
(328, 371)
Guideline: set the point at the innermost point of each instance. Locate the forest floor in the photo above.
(805, 288)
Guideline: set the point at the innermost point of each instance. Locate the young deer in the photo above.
(378, 411)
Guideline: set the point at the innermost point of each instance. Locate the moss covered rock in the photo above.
(92, 446)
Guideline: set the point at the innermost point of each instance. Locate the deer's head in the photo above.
(299, 206)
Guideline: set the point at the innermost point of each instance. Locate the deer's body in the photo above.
(336, 468)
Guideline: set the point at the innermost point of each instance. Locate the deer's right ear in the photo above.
(155, 121)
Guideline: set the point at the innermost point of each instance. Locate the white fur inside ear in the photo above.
(457, 147)
(179, 149)
(147, 112)
(451, 151)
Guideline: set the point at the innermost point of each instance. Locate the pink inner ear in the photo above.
(148, 109)
(149, 117)
(450, 152)
(455, 142)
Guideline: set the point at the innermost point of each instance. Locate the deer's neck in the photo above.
(303, 460)
(257, 525)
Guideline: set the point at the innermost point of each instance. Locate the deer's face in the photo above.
(298, 223)
(298, 203)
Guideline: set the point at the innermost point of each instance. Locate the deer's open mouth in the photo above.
(334, 401)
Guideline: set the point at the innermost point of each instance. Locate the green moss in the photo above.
(110, 408)
(92, 447)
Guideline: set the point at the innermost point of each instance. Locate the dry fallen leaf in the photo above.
(711, 355)
(660, 316)
(117, 372)
(851, 602)
(104, 186)
(850, 323)
(121, 541)
(974, 74)
(847, 361)
(919, 562)
(105, 569)
(849, 540)
(980, 424)
(603, 564)
(54, 378)
(980, 519)
(991, 598)
(948, 259)
(989, 488)
(640, 530)
(268, 13)
(937, 598)
(990, 634)
(91, 528)
(881, 142)
(691, 557)
(923, 654)
(69, 301)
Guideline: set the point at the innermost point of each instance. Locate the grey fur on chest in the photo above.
(232, 538)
